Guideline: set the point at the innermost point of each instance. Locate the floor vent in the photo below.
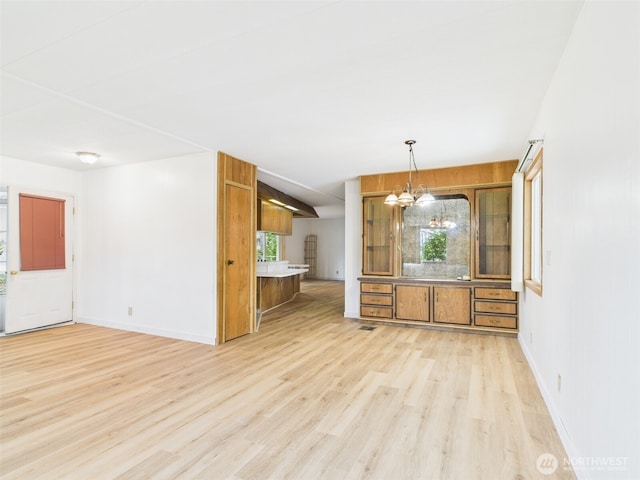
(367, 327)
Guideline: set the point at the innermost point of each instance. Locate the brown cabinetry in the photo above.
(476, 305)
(275, 291)
(495, 307)
(493, 235)
(377, 236)
(412, 302)
(376, 300)
(452, 305)
(273, 218)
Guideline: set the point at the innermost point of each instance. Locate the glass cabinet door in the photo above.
(377, 237)
(493, 234)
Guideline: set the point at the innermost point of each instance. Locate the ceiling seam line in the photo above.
(105, 111)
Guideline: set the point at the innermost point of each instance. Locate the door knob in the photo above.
(229, 262)
(13, 272)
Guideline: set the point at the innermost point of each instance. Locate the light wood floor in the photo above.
(310, 396)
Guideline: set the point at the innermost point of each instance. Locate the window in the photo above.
(42, 245)
(433, 245)
(533, 225)
(268, 247)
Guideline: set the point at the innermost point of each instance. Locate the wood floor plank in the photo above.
(310, 395)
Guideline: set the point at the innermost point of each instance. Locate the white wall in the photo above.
(330, 245)
(34, 175)
(149, 243)
(586, 325)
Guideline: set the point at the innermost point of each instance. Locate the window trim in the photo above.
(262, 235)
(533, 221)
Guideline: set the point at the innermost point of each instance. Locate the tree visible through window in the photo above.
(433, 245)
(268, 247)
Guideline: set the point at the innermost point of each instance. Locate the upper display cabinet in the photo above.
(377, 236)
(463, 233)
(493, 234)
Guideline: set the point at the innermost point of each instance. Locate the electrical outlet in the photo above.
(130, 311)
(559, 383)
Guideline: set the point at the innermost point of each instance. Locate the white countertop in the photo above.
(282, 273)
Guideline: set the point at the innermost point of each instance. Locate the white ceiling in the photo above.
(313, 93)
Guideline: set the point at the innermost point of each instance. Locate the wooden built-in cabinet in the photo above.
(377, 237)
(376, 300)
(452, 304)
(273, 218)
(485, 303)
(468, 305)
(493, 234)
(495, 307)
(412, 302)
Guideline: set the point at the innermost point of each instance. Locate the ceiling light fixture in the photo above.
(409, 196)
(443, 220)
(88, 157)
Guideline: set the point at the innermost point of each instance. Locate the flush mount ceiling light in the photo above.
(409, 196)
(88, 157)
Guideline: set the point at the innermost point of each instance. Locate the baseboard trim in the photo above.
(159, 332)
(556, 418)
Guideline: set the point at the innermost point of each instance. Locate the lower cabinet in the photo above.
(275, 291)
(476, 305)
(452, 305)
(376, 300)
(412, 302)
(495, 307)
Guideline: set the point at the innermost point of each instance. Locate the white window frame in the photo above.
(261, 244)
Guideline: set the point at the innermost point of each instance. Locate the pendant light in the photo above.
(410, 196)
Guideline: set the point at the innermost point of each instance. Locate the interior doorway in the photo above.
(236, 265)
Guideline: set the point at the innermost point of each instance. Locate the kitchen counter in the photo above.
(289, 272)
(277, 283)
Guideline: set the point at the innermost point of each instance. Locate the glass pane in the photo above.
(494, 236)
(536, 225)
(378, 219)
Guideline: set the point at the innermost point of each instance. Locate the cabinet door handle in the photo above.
(229, 262)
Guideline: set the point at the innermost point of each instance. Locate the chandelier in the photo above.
(410, 196)
(442, 221)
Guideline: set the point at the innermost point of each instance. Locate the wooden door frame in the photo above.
(238, 173)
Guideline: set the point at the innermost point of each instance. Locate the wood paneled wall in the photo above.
(442, 178)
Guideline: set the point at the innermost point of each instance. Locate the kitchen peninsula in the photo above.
(277, 283)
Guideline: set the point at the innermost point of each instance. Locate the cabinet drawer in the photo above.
(496, 307)
(495, 321)
(376, 299)
(379, 312)
(376, 287)
(495, 293)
